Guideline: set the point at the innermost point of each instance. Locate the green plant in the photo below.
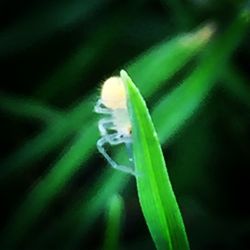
(175, 77)
(155, 192)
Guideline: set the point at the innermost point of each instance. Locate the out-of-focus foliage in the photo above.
(190, 61)
(114, 223)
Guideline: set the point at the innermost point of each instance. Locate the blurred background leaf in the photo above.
(114, 223)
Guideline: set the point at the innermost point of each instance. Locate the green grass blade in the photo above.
(155, 192)
(114, 221)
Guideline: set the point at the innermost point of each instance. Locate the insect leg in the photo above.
(104, 124)
(100, 109)
(100, 146)
(116, 139)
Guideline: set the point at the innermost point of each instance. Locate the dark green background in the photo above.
(208, 159)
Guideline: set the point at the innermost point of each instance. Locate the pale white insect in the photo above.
(115, 128)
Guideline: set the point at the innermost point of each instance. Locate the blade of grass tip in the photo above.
(114, 217)
(23, 107)
(44, 21)
(156, 196)
(235, 83)
(55, 134)
(162, 61)
(173, 111)
(46, 189)
(170, 55)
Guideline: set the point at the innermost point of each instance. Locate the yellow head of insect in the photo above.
(113, 93)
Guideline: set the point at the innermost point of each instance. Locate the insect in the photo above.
(115, 127)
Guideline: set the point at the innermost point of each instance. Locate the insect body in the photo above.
(115, 127)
